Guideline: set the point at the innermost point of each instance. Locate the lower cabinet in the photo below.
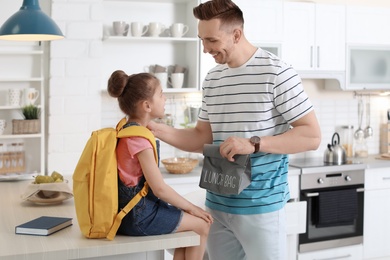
(376, 238)
(341, 253)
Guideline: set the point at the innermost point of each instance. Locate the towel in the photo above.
(336, 208)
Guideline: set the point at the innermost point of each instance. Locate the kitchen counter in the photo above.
(373, 162)
(69, 242)
(194, 175)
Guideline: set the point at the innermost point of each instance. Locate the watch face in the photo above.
(254, 139)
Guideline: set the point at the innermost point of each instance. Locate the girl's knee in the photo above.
(205, 228)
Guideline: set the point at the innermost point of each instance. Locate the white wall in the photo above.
(75, 97)
(76, 105)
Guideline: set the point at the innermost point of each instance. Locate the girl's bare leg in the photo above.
(199, 226)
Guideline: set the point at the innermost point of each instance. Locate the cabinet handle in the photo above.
(332, 258)
(386, 178)
(311, 56)
(318, 56)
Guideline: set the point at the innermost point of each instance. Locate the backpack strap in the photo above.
(127, 132)
(139, 131)
(118, 219)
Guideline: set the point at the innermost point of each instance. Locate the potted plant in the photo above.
(30, 124)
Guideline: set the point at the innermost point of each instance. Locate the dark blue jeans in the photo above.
(151, 216)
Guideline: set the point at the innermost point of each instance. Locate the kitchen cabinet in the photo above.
(367, 25)
(136, 54)
(376, 213)
(368, 67)
(263, 20)
(314, 37)
(339, 253)
(21, 67)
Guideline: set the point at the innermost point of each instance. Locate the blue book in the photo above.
(43, 226)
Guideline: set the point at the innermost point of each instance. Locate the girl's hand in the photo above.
(200, 213)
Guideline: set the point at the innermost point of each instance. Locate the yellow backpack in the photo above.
(95, 182)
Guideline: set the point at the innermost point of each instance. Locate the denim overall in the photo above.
(151, 216)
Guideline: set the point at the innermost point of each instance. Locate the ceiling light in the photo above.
(30, 24)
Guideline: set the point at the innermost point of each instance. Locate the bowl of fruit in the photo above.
(48, 189)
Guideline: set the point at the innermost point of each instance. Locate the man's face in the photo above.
(216, 41)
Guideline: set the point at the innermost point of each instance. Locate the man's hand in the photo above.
(235, 145)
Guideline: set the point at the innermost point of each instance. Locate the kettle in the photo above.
(335, 153)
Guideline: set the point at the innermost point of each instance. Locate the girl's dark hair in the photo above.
(225, 10)
(131, 89)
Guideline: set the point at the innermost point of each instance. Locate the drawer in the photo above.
(296, 217)
(377, 178)
(339, 253)
(293, 183)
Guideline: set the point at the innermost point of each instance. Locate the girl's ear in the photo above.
(146, 106)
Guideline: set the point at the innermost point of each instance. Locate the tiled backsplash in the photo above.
(335, 110)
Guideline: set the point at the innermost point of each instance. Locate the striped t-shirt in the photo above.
(261, 97)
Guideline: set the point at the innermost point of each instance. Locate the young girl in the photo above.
(163, 210)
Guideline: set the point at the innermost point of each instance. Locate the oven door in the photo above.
(333, 220)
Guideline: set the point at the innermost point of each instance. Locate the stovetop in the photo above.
(317, 165)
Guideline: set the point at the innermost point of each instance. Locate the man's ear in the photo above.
(237, 33)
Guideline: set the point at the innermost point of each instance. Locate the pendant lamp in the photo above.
(30, 24)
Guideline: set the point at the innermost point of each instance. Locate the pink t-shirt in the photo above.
(129, 168)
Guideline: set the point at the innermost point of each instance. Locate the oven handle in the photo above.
(315, 194)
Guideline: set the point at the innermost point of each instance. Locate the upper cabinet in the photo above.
(368, 25)
(135, 54)
(263, 20)
(368, 48)
(314, 36)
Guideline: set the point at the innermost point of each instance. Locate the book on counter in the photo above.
(43, 226)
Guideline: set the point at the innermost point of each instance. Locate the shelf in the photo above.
(146, 38)
(23, 67)
(6, 107)
(10, 107)
(25, 136)
(16, 52)
(21, 79)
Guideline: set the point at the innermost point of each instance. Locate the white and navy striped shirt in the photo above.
(261, 97)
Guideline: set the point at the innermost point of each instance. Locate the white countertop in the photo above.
(69, 242)
(373, 161)
(194, 175)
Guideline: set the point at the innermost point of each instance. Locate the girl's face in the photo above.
(158, 103)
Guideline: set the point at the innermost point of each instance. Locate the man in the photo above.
(253, 103)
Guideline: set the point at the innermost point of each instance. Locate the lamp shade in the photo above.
(30, 24)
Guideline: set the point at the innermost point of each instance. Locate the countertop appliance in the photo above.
(335, 203)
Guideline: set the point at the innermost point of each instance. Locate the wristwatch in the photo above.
(255, 141)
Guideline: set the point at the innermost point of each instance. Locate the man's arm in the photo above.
(188, 139)
(304, 136)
